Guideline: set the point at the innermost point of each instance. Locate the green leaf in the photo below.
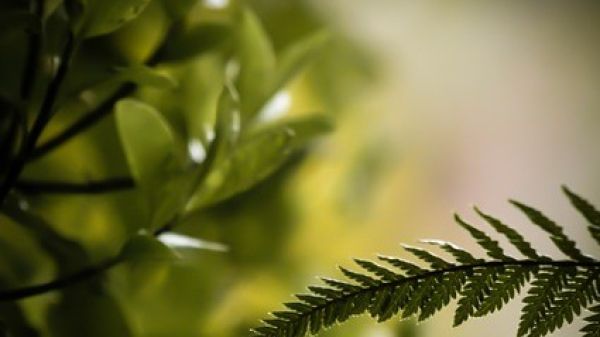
(144, 75)
(87, 310)
(541, 297)
(195, 41)
(592, 328)
(492, 247)
(145, 248)
(148, 142)
(255, 157)
(100, 17)
(566, 245)
(504, 289)
(461, 255)
(512, 235)
(294, 58)
(256, 64)
(250, 163)
(588, 211)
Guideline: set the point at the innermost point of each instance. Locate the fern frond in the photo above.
(512, 235)
(592, 328)
(560, 239)
(560, 289)
(587, 210)
(492, 247)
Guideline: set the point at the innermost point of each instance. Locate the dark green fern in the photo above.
(559, 291)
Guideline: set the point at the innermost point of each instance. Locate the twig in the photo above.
(84, 123)
(67, 187)
(41, 121)
(34, 50)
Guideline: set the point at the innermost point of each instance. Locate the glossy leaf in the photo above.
(147, 140)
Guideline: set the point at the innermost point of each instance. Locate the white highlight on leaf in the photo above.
(216, 4)
(236, 122)
(210, 133)
(175, 240)
(196, 151)
(276, 107)
(23, 204)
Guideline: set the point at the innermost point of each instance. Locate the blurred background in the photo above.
(438, 105)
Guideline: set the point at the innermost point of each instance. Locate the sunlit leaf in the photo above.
(147, 140)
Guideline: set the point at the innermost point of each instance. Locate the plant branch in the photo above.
(84, 123)
(84, 274)
(91, 118)
(44, 116)
(80, 276)
(34, 50)
(63, 187)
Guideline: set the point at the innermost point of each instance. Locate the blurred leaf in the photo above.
(179, 8)
(147, 260)
(144, 75)
(257, 64)
(303, 128)
(256, 157)
(195, 41)
(295, 58)
(147, 140)
(203, 88)
(69, 255)
(13, 322)
(146, 248)
(99, 17)
(88, 311)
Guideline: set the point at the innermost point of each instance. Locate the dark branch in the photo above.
(33, 52)
(63, 187)
(43, 117)
(82, 275)
(92, 117)
(84, 123)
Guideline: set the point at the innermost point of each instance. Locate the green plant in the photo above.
(560, 289)
(188, 142)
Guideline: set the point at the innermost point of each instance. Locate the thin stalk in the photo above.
(34, 51)
(67, 187)
(43, 117)
(92, 117)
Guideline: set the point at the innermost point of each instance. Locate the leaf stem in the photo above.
(67, 187)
